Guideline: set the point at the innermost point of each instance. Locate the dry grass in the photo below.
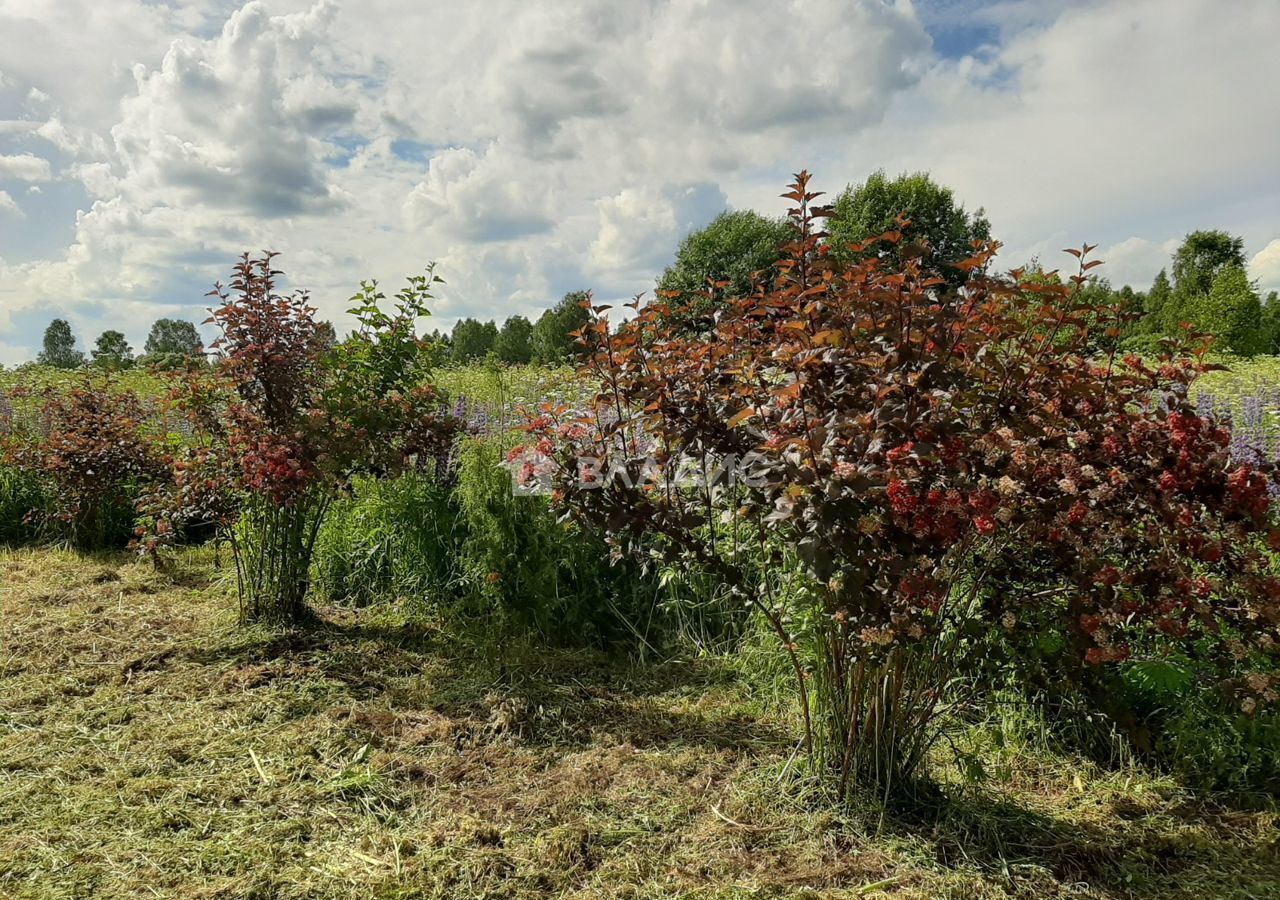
(148, 748)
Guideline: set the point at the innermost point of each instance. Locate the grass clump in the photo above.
(497, 565)
(388, 538)
(21, 494)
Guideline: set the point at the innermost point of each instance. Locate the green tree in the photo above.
(1158, 309)
(553, 341)
(327, 333)
(733, 247)
(1198, 263)
(112, 351)
(1231, 312)
(938, 222)
(1202, 255)
(59, 348)
(515, 341)
(436, 348)
(1097, 295)
(173, 336)
(1133, 303)
(472, 340)
(1271, 324)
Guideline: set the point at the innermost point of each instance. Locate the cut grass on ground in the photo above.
(149, 748)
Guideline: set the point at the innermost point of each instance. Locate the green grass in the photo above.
(500, 390)
(150, 748)
(505, 392)
(1257, 378)
(1243, 376)
(139, 380)
(513, 386)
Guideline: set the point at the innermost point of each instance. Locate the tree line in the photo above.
(176, 342)
(549, 341)
(170, 342)
(1206, 287)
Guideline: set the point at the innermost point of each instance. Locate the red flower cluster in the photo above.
(901, 500)
(1248, 488)
(899, 453)
(275, 467)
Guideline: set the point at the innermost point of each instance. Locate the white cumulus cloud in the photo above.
(24, 167)
(488, 196)
(538, 146)
(639, 228)
(9, 206)
(1265, 266)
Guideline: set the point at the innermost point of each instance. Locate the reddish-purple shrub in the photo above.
(892, 431)
(90, 447)
(283, 422)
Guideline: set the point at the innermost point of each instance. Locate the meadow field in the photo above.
(476, 695)
(669, 450)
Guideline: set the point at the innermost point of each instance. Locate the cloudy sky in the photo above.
(538, 146)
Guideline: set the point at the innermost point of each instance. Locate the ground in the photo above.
(148, 747)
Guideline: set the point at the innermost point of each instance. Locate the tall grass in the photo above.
(495, 563)
(526, 571)
(393, 538)
(21, 494)
(26, 517)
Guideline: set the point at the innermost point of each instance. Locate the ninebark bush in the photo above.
(895, 431)
(92, 457)
(286, 419)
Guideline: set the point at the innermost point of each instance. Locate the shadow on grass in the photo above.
(1125, 852)
(539, 697)
(571, 700)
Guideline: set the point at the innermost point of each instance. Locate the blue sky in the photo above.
(143, 145)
